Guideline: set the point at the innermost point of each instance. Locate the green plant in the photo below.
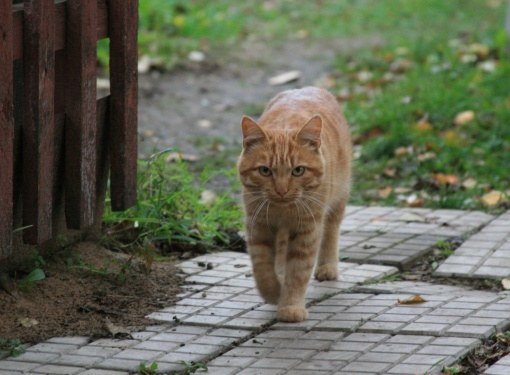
(175, 206)
(192, 367)
(454, 370)
(445, 247)
(11, 347)
(145, 369)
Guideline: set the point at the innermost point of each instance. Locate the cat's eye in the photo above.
(298, 171)
(265, 171)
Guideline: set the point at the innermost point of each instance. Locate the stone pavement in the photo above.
(357, 324)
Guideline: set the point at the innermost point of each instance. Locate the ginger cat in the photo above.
(295, 169)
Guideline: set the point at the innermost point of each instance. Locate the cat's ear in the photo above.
(252, 132)
(310, 133)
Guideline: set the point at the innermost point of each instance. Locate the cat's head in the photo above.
(281, 165)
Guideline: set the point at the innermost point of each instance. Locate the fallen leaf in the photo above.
(402, 151)
(410, 217)
(196, 56)
(423, 126)
(390, 172)
(446, 179)
(451, 138)
(364, 76)
(385, 192)
(463, 118)
(284, 78)
(494, 198)
(402, 190)
(415, 201)
(399, 66)
(208, 197)
(204, 124)
(28, 322)
(116, 330)
(426, 156)
(412, 300)
(469, 183)
(505, 283)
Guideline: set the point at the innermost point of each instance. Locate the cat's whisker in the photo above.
(257, 212)
(308, 209)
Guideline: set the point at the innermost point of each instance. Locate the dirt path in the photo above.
(206, 101)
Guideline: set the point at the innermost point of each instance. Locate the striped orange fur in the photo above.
(295, 169)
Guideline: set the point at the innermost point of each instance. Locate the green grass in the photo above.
(173, 209)
(414, 109)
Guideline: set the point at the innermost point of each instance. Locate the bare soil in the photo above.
(85, 288)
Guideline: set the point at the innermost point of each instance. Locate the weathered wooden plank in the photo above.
(59, 22)
(103, 165)
(6, 129)
(80, 125)
(38, 121)
(123, 25)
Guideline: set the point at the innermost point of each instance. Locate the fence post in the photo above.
(123, 26)
(6, 128)
(80, 122)
(38, 119)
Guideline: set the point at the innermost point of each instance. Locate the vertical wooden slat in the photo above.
(38, 123)
(122, 26)
(80, 123)
(6, 128)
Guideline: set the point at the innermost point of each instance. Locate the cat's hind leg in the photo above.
(327, 262)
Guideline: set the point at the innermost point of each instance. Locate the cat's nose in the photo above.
(281, 191)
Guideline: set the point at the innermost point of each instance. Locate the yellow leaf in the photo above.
(494, 198)
(464, 117)
(423, 126)
(412, 300)
(469, 183)
(445, 179)
(179, 21)
(385, 192)
(451, 138)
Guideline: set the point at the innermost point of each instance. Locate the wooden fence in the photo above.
(58, 142)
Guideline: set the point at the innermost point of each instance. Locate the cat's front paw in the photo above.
(326, 272)
(292, 314)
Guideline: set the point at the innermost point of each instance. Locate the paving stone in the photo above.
(501, 367)
(103, 372)
(76, 360)
(57, 370)
(484, 254)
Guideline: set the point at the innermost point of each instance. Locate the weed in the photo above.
(170, 210)
(454, 370)
(445, 248)
(192, 367)
(28, 282)
(11, 347)
(145, 369)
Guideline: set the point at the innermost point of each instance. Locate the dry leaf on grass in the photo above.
(494, 198)
(385, 192)
(463, 118)
(505, 283)
(469, 183)
(445, 179)
(412, 300)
